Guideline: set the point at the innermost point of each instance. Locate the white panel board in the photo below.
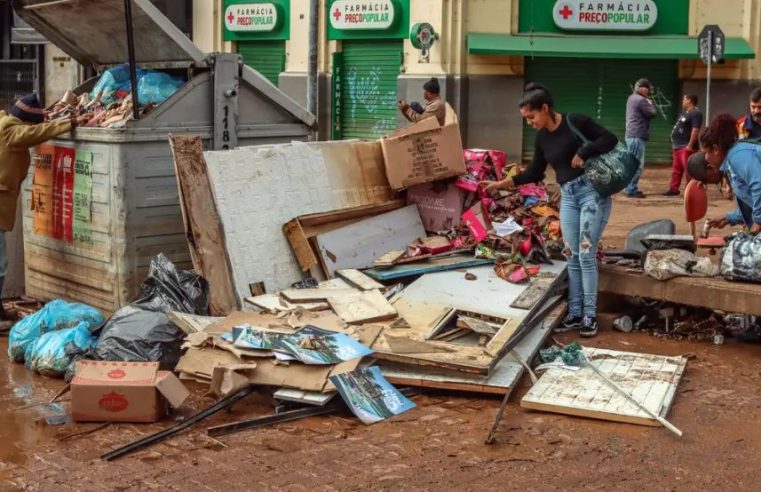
(357, 245)
(258, 189)
(650, 379)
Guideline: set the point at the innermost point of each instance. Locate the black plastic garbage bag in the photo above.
(142, 331)
(137, 334)
(168, 289)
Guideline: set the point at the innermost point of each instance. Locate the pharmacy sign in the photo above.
(362, 14)
(623, 15)
(251, 17)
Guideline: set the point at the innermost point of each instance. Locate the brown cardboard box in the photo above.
(103, 391)
(422, 153)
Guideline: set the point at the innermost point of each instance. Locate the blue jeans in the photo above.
(3, 261)
(637, 147)
(583, 217)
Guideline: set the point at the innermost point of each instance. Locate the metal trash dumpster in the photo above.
(135, 211)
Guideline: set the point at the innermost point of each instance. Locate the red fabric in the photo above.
(679, 166)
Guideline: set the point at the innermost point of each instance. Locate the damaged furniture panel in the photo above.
(302, 230)
(432, 301)
(505, 374)
(651, 380)
(358, 245)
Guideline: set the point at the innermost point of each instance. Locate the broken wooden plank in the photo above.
(357, 245)
(406, 345)
(388, 259)
(362, 307)
(314, 295)
(537, 289)
(203, 226)
(434, 265)
(275, 303)
(649, 379)
(478, 326)
(359, 280)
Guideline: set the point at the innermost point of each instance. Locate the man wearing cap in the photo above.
(639, 111)
(21, 130)
(434, 105)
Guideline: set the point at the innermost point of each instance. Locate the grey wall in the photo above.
(727, 96)
(295, 86)
(491, 114)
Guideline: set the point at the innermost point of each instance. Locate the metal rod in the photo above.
(162, 435)
(500, 413)
(291, 415)
(131, 56)
(665, 423)
(708, 77)
(314, 30)
(301, 413)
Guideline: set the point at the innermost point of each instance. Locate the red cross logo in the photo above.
(230, 18)
(566, 12)
(337, 14)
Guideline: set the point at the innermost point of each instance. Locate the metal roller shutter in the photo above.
(368, 93)
(266, 57)
(600, 88)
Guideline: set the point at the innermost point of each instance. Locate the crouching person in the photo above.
(739, 162)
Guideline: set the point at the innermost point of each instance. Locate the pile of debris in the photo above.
(109, 104)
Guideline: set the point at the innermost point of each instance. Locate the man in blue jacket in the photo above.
(742, 166)
(639, 111)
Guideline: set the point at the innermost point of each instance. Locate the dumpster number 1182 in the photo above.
(225, 127)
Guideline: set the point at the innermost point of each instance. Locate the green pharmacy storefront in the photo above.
(259, 30)
(590, 53)
(367, 65)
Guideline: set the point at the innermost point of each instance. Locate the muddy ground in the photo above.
(438, 445)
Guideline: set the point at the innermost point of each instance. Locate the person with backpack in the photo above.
(739, 161)
(584, 212)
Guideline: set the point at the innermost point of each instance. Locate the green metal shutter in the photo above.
(600, 88)
(266, 57)
(368, 91)
(617, 85)
(572, 83)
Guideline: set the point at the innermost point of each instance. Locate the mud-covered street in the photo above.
(438, 445)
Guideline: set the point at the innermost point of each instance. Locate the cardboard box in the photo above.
(103, 391)
(422, 153)
(440, 205)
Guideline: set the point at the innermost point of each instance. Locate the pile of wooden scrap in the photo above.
(443, 331)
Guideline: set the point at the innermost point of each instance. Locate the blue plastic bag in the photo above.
(112, 80)
(152, 86)
(157, 87)
(52, 353)
(56, 315)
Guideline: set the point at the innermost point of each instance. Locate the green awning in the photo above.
(595, 46)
